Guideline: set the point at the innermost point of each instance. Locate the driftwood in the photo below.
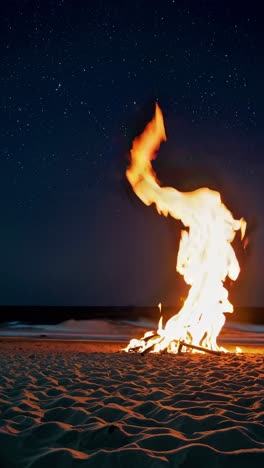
(180, 344)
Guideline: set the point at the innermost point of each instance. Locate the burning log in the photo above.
(152, 346)
(143, 342)
(179, 348)
(152, 337)
(198, 348)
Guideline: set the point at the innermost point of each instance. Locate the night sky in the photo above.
(79, 80)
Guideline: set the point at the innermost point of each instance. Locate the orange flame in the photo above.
(205, 256)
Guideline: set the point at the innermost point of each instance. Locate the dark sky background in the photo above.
(79, 80)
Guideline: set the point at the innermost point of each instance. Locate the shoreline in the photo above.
(93, 344)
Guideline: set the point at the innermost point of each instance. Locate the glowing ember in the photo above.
(205, 256)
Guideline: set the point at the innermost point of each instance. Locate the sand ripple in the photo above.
(114, 409)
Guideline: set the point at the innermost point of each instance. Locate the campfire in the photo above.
(205, 257)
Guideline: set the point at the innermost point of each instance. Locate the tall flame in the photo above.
(205, 257)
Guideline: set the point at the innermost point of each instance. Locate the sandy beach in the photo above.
(72, 403)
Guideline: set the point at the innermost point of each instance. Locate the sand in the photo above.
(67, 404)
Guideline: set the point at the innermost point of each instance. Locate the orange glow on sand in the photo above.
(205, 256)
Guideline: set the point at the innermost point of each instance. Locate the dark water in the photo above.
(57, 314)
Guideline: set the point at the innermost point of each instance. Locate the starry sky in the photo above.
(79, 80)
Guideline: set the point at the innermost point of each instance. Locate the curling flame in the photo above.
(205, 256)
